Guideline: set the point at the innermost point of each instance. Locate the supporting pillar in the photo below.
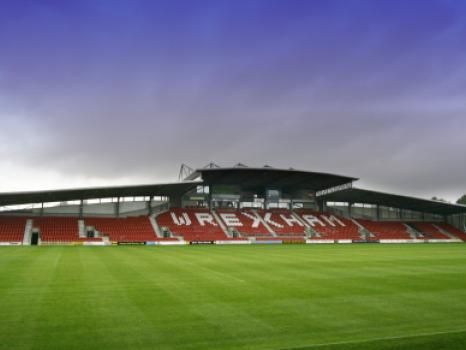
(117, 208)
(81, 209)
(150, 211)
(321, 205)
(42, 209)
(350, 209)
(209, 197)
(377, 212)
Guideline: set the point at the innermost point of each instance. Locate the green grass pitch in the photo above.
(293, 297)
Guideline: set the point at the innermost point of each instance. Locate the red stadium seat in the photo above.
(131, 229)
(429, 230)
(12, 229)
(246, 222)
(386, 229)
(57, 229)
(283, 223)
(452, 230)
(330, 226)
(192, 224)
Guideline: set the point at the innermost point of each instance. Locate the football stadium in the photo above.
(232, 175)
(232, 258)
(237, 205)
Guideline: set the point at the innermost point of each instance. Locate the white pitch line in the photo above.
(374, 339)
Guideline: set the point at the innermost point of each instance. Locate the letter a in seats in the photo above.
(332, 220)
(291, 220)
(312, 220)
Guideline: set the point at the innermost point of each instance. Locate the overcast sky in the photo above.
(122, 92)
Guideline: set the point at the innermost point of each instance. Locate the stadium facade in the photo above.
(239, 204)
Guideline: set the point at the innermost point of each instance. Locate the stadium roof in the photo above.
(168, 189)
(356, 195)
(255, 178)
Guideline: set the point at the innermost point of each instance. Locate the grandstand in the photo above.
(228, 205)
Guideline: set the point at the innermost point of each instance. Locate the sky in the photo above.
(96, 93)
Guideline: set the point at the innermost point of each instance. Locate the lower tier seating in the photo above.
(131, 229)
(386, 229)
(329, 226)
(196, 224)
(247, 222)
(453, 230)
(57, 229)
(191, 224)
(283, 222)
(429, 230)
(12, 229)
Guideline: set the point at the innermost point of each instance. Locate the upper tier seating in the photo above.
(246, 222)
(131, 229)
(330, 226)
(12, 229)
(429, 230)
(452, 230)
(192, 224)
(57, 229)
(386, 229)
(283, 222)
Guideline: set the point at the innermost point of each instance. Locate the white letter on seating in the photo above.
(182, 220)
(231, 219)
(333, 219)
(290, 220)
(204, 218)
(267, 219)
(312, 220)
(255, 220)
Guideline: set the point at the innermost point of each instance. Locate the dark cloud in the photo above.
(128, 92)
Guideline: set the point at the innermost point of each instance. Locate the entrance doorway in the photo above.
(35, 238)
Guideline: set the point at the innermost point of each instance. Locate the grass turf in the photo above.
(336, 297)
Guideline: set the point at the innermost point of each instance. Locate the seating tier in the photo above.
(12, 229)
(192, 224)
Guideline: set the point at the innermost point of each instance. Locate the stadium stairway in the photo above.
(28, 232)
(221, 224)
(445, 232)
(82, 229)
(413, 232)
(389, 230)
(155, 226)
(428, 230)
(364, 232)
(452, 230)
